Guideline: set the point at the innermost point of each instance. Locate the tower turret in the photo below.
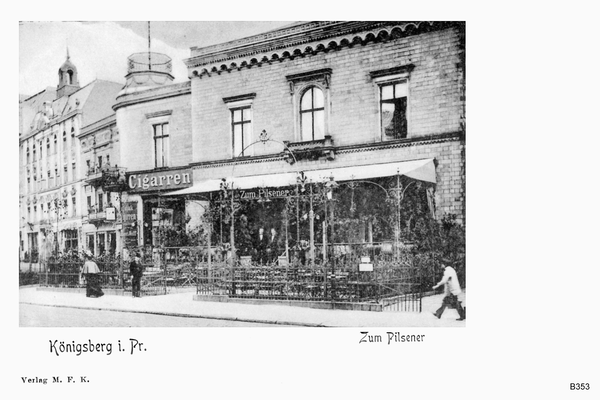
(68, 82)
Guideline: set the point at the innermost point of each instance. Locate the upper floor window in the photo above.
(241, 117)
(310, 91)
(312, 115)
(241, 130)
(72, 132)
(28, 160)
(55, 144)
(393, 105)
(393, 95)
(161, 144)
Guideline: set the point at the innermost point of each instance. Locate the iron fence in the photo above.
(355, 273)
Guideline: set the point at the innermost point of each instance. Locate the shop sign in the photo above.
(163, 180)
(130, 228)
(263, 193)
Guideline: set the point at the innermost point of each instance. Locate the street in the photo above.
(52, 316)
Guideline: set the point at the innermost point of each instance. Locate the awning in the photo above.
(423, 170)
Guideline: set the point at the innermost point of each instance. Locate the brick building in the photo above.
(374, 111)
(333, 101)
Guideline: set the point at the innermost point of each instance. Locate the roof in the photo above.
(94, 101)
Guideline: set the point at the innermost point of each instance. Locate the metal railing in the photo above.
(143, 62)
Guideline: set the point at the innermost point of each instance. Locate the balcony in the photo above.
(312, 150)
(95, 217)
(109, 178)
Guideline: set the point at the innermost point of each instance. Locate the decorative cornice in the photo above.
(157, 114)
(241, 97)
(159, 93)
(357, 148)
(299, 41)
(392, 71)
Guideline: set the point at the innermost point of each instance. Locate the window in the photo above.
(312, 115)
(100, 202)
(34, 213)
(72, 133)
(87, 162)
(70, 239)
(241, 115)
(393, 92)
(89, 204)
(28, 160)
(161, 144)
(392, 110)
(99, 162)
(55, 144)
(74, 205)
(108, 161)
(241, 130)
(311, 99)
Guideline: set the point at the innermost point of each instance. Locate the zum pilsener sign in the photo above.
(163, 180)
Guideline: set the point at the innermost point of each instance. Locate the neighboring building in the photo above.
(154, 118)
(51, 172)
(343, 100)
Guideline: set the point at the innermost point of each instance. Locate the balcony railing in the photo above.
(95, 216)
(145, 62)
(112, 178)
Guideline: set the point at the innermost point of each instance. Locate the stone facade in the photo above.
(52, 173)
(352, 56)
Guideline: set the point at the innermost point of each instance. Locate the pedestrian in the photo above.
(261, 243)
(91, 272)
(137, 270)
(451, 291)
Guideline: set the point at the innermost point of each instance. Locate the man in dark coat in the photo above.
(273, 246)
(261, 243)
(137, 270)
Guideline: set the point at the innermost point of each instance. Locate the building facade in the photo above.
(369, 114)
(154, 116)
(339, 101)
(52, 174)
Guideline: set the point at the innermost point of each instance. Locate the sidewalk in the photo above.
(183, 305)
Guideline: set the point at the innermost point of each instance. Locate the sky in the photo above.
(99, 50)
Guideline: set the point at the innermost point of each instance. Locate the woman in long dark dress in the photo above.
(92, 278)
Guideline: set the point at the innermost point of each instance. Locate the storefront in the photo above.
(152, 218)
(315, 216)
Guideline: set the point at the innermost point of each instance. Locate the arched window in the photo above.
(70, 78)
(312, 114)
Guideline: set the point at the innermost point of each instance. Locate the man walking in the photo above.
(137, 270)
(451, 290)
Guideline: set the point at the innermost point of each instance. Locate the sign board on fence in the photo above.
(365, 267)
